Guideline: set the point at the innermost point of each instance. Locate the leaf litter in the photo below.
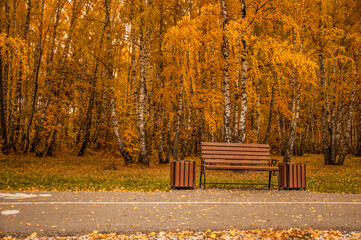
(270, 234)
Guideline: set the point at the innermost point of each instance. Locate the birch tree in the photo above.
(226, 85)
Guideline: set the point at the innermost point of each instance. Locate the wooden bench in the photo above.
(236, 156)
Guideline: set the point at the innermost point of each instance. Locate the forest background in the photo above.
(152, 79)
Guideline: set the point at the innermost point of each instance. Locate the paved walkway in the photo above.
(70, 213)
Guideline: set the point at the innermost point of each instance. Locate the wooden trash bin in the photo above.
(292, 176)
(182, 174)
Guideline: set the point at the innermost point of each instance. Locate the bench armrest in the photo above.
(274, 162)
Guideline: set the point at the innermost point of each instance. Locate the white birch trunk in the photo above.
(127, 158)
(346, 141)
(226, 85)
(142, 127)
(237, 93)
(244, 69)
(296, 99)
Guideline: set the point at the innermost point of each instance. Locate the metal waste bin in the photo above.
(292, 176)
(182, 174)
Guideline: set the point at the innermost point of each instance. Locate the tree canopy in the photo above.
(152, 79)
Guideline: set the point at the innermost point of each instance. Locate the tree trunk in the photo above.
(196, 139)
(150, 92)
(324, 98)
(237, 93)
(334, 119)
(2, 111)
(346, 140)
(189, 124)
(11, 144)
(179, 116)
(169, 141)
(244, 69)
(282, 132)
(20, 117)
(358, 151)
(160, 135)
(274, 89)
(226, 85)
(37, 59)
(4, 81)
(51, 149)
(296, 113)
(357, 134)
(80, 107)
(59, 86)
(358, 130)
(324, 112)
(127, 158)
(89, 115)
(213, 88)
(160, 74)
(142, 124)
(48, 75)
(296, 98)
(133, 74)
(258, 109)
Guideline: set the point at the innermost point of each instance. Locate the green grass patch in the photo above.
(71, 173)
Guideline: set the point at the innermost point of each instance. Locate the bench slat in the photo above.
(235, 157)
(237, 162)
(240, 148)
(240, 153)
(254, 168)
(234, 144)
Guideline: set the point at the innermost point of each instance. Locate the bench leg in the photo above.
(269, 180)
(204, 177)
(200, 179)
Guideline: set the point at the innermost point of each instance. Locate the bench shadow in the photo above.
(239, 188)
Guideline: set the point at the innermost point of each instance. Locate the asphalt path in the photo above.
(73, 213)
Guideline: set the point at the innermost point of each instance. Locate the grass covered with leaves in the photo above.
(270, 234)
(26, 172)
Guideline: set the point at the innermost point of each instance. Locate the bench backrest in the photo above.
(235, 153)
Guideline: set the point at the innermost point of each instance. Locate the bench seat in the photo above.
(253, 168)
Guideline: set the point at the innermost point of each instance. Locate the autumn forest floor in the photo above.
(69, 173)
(19, 172)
